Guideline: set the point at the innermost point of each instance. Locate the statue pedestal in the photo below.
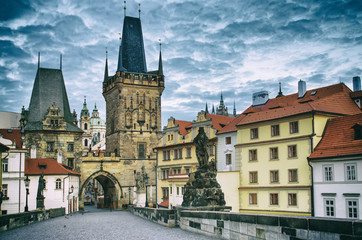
(140, 198)
(40, 202)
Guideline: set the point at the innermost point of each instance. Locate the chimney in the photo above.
(356, 84)
(260, 98)
(302, 88)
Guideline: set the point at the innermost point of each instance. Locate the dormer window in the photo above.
(357, 131)
(42, 166)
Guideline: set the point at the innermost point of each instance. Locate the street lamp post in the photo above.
(146, 182)
(27, 182)
(129, 195)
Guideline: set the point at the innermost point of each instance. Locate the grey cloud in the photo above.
(14, 9)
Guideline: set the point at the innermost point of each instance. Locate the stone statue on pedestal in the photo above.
(202, 189)
(40, 197)
(141, 179)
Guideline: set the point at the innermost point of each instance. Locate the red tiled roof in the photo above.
(219, 121)
(331, 99)
(338, 138)
(13, 135)
(231, 127)
(52, 167)
(164, 203)
(182, 126)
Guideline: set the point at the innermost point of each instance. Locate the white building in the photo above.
(13, 186)
(9, 120)
(337, 169)
(228, 169)
(61, 184)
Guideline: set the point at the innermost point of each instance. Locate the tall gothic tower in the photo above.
(133, 98)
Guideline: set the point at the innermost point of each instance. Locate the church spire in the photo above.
(206, 109)
(213, 109)
(160, 68)
(106, 68)
(85, 111)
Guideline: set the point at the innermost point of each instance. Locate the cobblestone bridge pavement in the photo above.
(98, 224)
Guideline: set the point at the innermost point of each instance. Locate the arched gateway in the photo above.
(111, 187)
(117, 177)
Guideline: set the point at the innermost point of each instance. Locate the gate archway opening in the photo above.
(107, 195)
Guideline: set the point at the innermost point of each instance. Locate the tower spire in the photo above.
(139, 10)
(160, 67)
(120, 67)
(61, 61)
(106, 68)
(124, 8)
(38, 60)
(206, 109)
(213, 109)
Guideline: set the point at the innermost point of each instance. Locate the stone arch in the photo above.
(111, 186)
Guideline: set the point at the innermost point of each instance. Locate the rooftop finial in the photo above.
(124, 8)
(38, 60)
(61, 61)
(280, 93)
(160, 44)
(139, 10)
(106, 53)
(85, 99)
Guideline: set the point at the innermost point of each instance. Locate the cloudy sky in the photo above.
(208, 46)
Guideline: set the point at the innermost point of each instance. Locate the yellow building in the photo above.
(176, 154)
(274, 140)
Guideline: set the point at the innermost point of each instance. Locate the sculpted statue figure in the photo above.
(200, 142)
(41, 185)
(141, 179)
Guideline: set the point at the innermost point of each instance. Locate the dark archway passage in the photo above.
(111, 194)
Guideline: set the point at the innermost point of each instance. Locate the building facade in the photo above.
(49, 128)
(133, 126)
(177, 156)
(13, 187)
(337, 169)
(274, 140)
(94, 130)
(61, 184)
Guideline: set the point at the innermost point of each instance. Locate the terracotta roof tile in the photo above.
(13, 135)
(338, 138)
(332, 99)
(219, 121)
(52, 167)
(182, 126)
(231, 127)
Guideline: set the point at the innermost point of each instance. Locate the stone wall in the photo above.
(165, 217)
(249, 226)
(11, 221)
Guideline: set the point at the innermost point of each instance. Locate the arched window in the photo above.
(86, 142)
(58, 184)
(85, 126)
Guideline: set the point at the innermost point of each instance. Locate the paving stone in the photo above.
(99, 225)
